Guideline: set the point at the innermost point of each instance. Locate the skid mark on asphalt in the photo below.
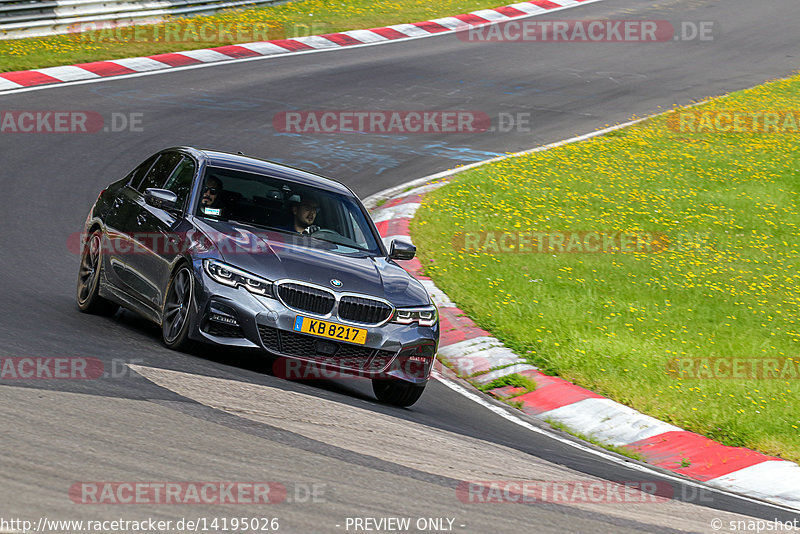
(357, 157)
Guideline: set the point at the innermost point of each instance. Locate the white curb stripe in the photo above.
(469, 346)
(68, 73)
(315, 41)
(566, 3)
(528, 8)
(365, 36)
(410, 30)
(437, 295)
(505, 371)
(608, 421)
(8, 84)
(204, 55)
(501, 353)
(490, 15)
(450, 22)
(264, 48)
(775, 480)
(141, 64)
(401, 211)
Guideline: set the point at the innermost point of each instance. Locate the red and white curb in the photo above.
(192, 58)
(480, 358)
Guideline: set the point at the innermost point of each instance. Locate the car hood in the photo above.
(277, 255)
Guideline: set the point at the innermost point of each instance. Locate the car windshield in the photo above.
(311, 213)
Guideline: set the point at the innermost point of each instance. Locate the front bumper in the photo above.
(229, 316)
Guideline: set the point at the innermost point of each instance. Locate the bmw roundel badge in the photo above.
(336, 282)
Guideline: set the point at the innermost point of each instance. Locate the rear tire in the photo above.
(178, 314)
(397, 392)
(89, 273)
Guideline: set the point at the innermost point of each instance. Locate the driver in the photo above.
(210, 202)
(304, 214)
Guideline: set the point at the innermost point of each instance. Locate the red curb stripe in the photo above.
(175, 59)
(509, 11)
(551, 393)
(707, 459)
(471, 19)
(454, 328)
(544, 3)
(235, 51)
(29, 78)
(291, 44)
(382, 226)
(411, 199)
(431, 27)
(393, 202)
(342, 39)
(398, 227)
(106, 68)
(389, 33)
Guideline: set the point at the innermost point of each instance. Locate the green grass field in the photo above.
(674, 324)
(294, 19)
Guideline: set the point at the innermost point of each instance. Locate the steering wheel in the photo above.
(316, 230)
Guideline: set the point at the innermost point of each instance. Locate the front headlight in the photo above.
(234, 277)
(424, 315)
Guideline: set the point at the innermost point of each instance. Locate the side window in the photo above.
(135, 177)
(358, 234)
(180, 181)
(157, 176)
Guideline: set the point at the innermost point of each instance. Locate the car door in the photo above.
(118, 247)
(167, 229)
(139, 232)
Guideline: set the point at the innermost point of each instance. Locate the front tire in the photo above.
(89, 273)
(397, 392)
(178, 313)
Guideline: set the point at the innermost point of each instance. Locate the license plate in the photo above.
(339, 332)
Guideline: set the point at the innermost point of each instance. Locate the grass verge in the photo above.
(285, 21)
(513, 380)
(695, 319)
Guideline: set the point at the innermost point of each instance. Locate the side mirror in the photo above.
(400, 250)
(160, 198)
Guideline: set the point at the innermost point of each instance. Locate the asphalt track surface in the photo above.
(224, 417)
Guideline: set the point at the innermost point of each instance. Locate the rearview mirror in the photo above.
(160, 198)
(400, 250)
